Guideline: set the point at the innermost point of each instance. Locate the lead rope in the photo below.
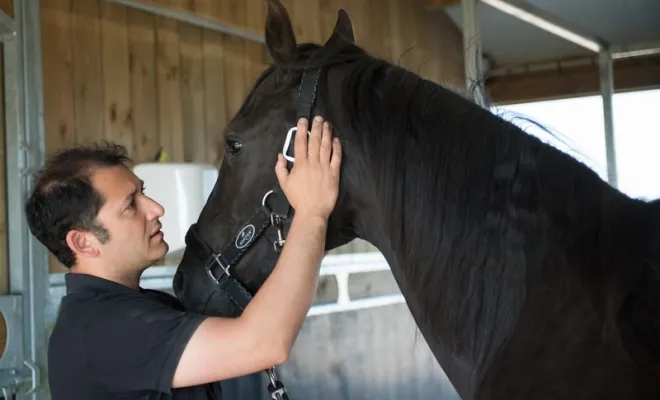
(275, 387)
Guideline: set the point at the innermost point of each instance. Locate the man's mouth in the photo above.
(157, 230)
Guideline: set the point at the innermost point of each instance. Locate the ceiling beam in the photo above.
(629, 75)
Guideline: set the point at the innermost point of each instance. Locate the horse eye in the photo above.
(233, 146)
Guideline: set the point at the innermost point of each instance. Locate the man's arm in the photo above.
(264, 334)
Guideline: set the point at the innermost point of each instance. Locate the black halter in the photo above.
(273, 212)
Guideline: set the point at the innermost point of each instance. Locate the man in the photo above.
(115, 340)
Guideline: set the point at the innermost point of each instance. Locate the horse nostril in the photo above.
(177, 284)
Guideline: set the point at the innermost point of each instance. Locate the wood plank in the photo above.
(4, 256)
(58, 85)
(192, 94)
(630, 74)
(215, 104)
(7, 6)
(170, 127)
(302, 13)
(380, 33)
(142, 69)
(116, 75)
(256, 19)
(234, 56)
(87, 71)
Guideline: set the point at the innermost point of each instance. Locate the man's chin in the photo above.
(159, 252)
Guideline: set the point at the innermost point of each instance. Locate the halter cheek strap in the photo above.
(273, 212)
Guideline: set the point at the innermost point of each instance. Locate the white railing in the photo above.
(341, 266)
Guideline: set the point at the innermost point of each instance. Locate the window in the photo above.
(577, 128)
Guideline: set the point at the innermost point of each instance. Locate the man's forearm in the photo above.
(281, 305)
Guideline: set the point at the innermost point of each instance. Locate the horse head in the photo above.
(235, 243)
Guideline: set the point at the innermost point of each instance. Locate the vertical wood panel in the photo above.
(215, 104)
(142, 69)
(256, 15)
(192, 91)
(58, 90)
(169, 87)
(235, 66)
(116, 78)
(87, 71)
(7, 6)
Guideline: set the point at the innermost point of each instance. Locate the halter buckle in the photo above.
(275, 387)
(276, 222)
(216, 258)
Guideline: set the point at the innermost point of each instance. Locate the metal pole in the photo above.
(192, 19)
(472, 52)
(607, 92)
(25, 141)
(547, 22)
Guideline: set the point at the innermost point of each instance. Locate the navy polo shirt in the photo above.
(114, 342)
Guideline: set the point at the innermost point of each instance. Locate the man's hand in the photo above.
(312, 186)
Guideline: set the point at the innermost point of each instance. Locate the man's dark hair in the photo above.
(64, 198)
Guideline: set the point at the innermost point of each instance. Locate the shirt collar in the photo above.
(78, 282)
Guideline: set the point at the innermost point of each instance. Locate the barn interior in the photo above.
(163, 77)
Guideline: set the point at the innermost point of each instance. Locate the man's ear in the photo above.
(280, 39)
(82, 243)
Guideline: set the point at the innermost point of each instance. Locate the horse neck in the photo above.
(419, 187)
(452, 196)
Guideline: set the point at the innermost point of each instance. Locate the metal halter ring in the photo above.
(263, 201)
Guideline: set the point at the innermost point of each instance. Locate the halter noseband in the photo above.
(274, 210)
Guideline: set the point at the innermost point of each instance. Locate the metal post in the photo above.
(607, 92)
(25, 143)
(549, 23)
(472, 52)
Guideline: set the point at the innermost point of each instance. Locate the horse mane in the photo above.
(505, 209)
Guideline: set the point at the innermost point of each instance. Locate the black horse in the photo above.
(528, 276)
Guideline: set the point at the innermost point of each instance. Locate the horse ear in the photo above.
(343, 27)
(280, 39)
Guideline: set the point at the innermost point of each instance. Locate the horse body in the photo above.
(515, 259)
(528, 276)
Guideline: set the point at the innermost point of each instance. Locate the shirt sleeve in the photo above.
(134, 343)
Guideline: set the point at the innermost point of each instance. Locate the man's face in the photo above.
(131, 219)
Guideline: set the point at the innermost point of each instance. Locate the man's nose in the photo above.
(155, 209)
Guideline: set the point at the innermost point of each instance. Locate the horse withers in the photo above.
(527, 274)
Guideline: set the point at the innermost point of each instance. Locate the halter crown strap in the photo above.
(307, 93)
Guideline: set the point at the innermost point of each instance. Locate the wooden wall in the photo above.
(152, 83)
